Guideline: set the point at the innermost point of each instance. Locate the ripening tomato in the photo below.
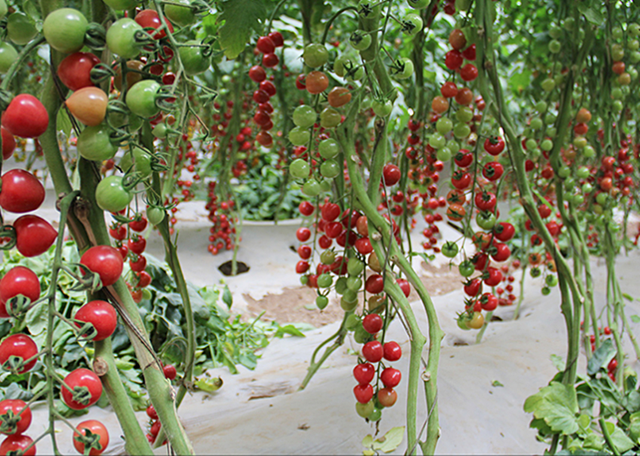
(19, 280)
(105, 261)
(101, 315)
(88, 105)
(25, 117)
(21, 191)
(316, 82)
(95, 427)
(34, 235)
(75, 70)
(387, 397)
(149, 19)
(18, 346)
(81, 381)
(15, 416)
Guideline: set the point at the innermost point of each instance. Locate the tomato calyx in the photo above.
(89, 439)
(95, 37)
(17, 364)
(9, 421)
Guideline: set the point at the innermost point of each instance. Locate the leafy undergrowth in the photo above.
(222, 340)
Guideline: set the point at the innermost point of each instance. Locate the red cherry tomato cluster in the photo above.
(222, 235)
(154, 425)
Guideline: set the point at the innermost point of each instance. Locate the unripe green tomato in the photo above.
(546, 145)
(437, 141)
(64, 30)
(322, 302)
(549, 118)
(325, 185)
(569, 24)
(159, 131)
(402, 68)
(20, 28)
(582, 172)
(535, 272)
(354, 283)
(598, 210)
(617, 33)
(138, 161)
(330, 118)
(350, 295)
(364, 410)
(360, 40)
(552, 132)
(361, 336)
(535, 153)
(453, 146)
(617, 52)
(617, 106)
(530, 144)
(569, 183)
(444, 154)
(325, 280)
(352, 322)
(466, 268)
(299, 169)
(8, 55)
(554, 46)
(155, 215)
(341, 285)
(545, 290)
(541, 106)
(122, 4)
(327, 257)
(311, 188)
(555, 32)
(616, 93)
(355, 266)
(381, 108)
(536, 123)
(181, 15)
(602, 198)
(462, 321)
(315, 55)
(587, 188)
(579, 142)
(3, 8)
(111, 196)
(141, 98)
(412, 24)
(304, 116)
(330, 169)
(578, 199)
(634, 29)
(634, 57)
(329, 148)
(355, 75)
(548, 85)
(348, 306)
(564, 171)
(464, 114)
(121, 38)
(444, 125)
(589, 152)
(375, 415)
(304, 280)
(461, 130)
(299, 136)
(633, 45)
(94, 143)
(192, 57)
(461, 5)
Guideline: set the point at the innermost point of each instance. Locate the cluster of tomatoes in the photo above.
(222, 233)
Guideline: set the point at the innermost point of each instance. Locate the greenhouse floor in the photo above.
(481, 387)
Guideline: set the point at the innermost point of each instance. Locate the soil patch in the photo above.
(440, 280)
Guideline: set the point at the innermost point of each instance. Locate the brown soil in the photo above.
(297, 305)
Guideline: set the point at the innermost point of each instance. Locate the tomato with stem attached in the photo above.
(94, 434)
(88, 105)
(19, 280)
(101, 315)
(105, 261)
(18, 353)
(111, 194)
(25, 117)
(122, 38)
(18, 444)
(75, 70)
(86, 389)
(21, 191)
(64, 29)
(15, 416)
(95, 143)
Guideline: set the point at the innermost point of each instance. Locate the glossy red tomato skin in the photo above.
(372, 323)
(101, 315)
(363, 393)
(390, 377)
(19, 345)
(170, 371)
(81, 377)
(21, 191)
(149, 19)
(8, 144)
(105, 261)
(18, 280)
(96, 427)
(75, 70)
(18, 442)
(374, 284)
(34, 235)
(16, 406)
(392, 351)
(372, 351)
(364, 373)
(25, 117)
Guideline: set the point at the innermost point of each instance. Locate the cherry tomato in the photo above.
(19, 280)
(8, 55)
(387, 397)
(105, 261)
(139, 264)
(21, 191)
(372, 351)
(15, 416)
(149, 19)
(390, 377)
(363, 393)
(180, 15)
(94, 143)
(25, 117)
(141, 98)
(17, 444)
(34, 235)
(78, 380)
(20, 28)
(75, 70)
(372, 323)
(316, 82)
(170, 371)
(364, 373)
(88, 105)
(64, 29)
(504, 231)
(111, 194)
(8, 144)
(98, 431)
(193, 60)
(494, 145)
(18, 346)
(391, 174)
(151, 412)
(101, 315)
(121, 38)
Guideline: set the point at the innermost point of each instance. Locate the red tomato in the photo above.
(374, 284)
(81, 381)
(170, 371)
(25, 117)
(101, 315)
(363, 393)
(105, 261)
(494, 277)
(390, 377)
(139, 264)
(391, 174)
(20, 346)
(75, 70)
(485, 201)
(15, 416)
(387, 397)
(504, 231)
(372, 323)
(494, 145)
(8, 144)
(392, 351)
(149, 19)
(16, 444)
(488, 302)
(21, 191)
(364, 373)
(372, 351)
(34, 235)
(18, 281)
(96, 428)
(473, 287)
(138, 245)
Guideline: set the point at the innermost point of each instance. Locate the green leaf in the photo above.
(64, 123)
(592, 14)
(635, 318)
(227, 298)
(288, 329)
(496, 383)
(240, 18)
(557, 405)
(601, 357)
(558, 362)
(520, 80)
(619, 438)
(390, 441)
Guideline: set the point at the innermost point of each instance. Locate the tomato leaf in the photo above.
(591, 13)
(557, 405)
(390, 441)
(601, 357)
(558, 362)
(288, 329)
(240, 17)
(619, 438)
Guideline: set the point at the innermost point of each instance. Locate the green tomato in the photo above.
(350, 295)
(616, 93)
(94, 143)
(330, 169)
(122, 4)
(160, 131)
(375, 415)
(437, 141)
(304, 116)
(329, 148)
(422, 4)
(617, 52)
(634, 29)
(311, 188)
(453, 146)
(450, 249)
(402, 68)
(554, 46)
(551, 280)
(111, 196)
(325, 280)
(354, 283)
(138, 161)
(548, 85)
(304, 280)
(64, 30)
(141, 98)
(633, 45)
(299, 136)
(549, 118)
(322, 302)
(444, 125)
(20, 28)
(192, 58)
(617, 106)
(355, 267)
(352, 322)
(555, 32)
(8, 55)
(530, 144)
(360, 40)
(348, 306)
(546, 145)
(541, 106)
(155, 215)
(315, 55)
(602, 198)
(330, 118)
(579, 142)
(464, 114)
(341, 285)
(564, 171)
(444, 154)
(617, 33)
(3, 8)
(361, 336)
(486, 220)
(461, 130)
(364, 410)
(466, 268)
(546, 291)
(552, 131)
(536, 123)
(180, 15)
(121, 38)
(328, 256)
(381, 108)
(578, 199)
(569, 23)
(299, 169)
(587, 188)
(411, 24)
(583, 172)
